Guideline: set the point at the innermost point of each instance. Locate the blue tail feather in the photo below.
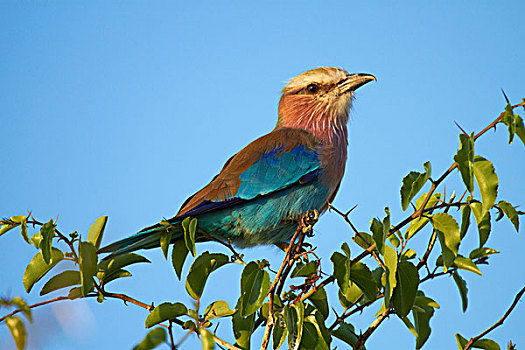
(145, 239)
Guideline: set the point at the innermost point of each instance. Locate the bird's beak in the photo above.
(354, 81)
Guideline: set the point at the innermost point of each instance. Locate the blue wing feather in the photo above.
(276, 170)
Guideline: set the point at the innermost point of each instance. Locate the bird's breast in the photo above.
(333, 161)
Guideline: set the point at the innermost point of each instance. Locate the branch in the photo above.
(350, 313)
(225, 344)
(271, 291)
(364, 337)
(306, 222)
(170, 331)
(128, 299)
(36, 305)
(498, 323)
(435, 184)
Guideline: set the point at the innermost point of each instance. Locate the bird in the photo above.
(262, 191)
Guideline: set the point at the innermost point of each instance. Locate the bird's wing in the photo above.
(280, 159)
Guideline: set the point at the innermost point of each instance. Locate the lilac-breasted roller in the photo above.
(262, 191)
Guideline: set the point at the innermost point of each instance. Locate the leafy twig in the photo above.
(498, 323)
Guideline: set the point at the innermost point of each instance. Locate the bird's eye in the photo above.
(312, 88)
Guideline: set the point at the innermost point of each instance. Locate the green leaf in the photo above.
(109, 267)
(465, 221)
(207, 339)
(422, 315)
(18, 331)
(74, 293)
(412, 183)
(350, 295)
(408, 254)
(178, 256)
(462, 288)
(165, 239)
(64, 279)
(483, 222)
(341, 269)
(115, 274)
(23, 226)
(345, 248)
(22, 306)
(417, 224)
(461, 263)
(320, 300)
(465, 160)
(360, 274)
(462, 342)
(47, 232)
(409, 325)
(508, 119)
(165, 312)
(394, 240)
(487, 182)
(486, 344)
(482, 253)
(37, 268)
(349, 292)
(294, 319)
(405, 293)
(87, 264)
(304, 270)
(479, 344)
(189, 228)
(511, 213)
(346, 333)
(448, 233)
(378, 234)
(466, 264)
(520, 129)
(218, 309)
(255, 284)
(390, 280)
(154, 338)
(201, 268)
(279, 330)
(243, 329)
(36, 239)
(13, 222)
(315, 335)
(363, 239)
(96, 231)
(422, 300)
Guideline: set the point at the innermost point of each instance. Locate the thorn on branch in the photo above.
(460, 128)
(505, 95)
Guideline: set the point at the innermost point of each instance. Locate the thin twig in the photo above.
(225, 344)
(341, 318)
(306, 222)
(170, 331)
(364, 337)
(128, 299)
(498, 323)
(36, 305)
(271, 291)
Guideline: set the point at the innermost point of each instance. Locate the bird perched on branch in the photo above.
(262, 191)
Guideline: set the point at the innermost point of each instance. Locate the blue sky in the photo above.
(126, 108)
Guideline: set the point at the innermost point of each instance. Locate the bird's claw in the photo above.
(308, 221)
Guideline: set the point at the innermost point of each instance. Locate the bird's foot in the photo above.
(308, 220)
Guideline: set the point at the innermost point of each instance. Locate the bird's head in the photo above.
(319, 100)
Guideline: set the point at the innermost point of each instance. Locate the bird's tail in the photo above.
(147, 238)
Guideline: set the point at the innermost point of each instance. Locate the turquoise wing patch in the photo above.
(276, 170)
